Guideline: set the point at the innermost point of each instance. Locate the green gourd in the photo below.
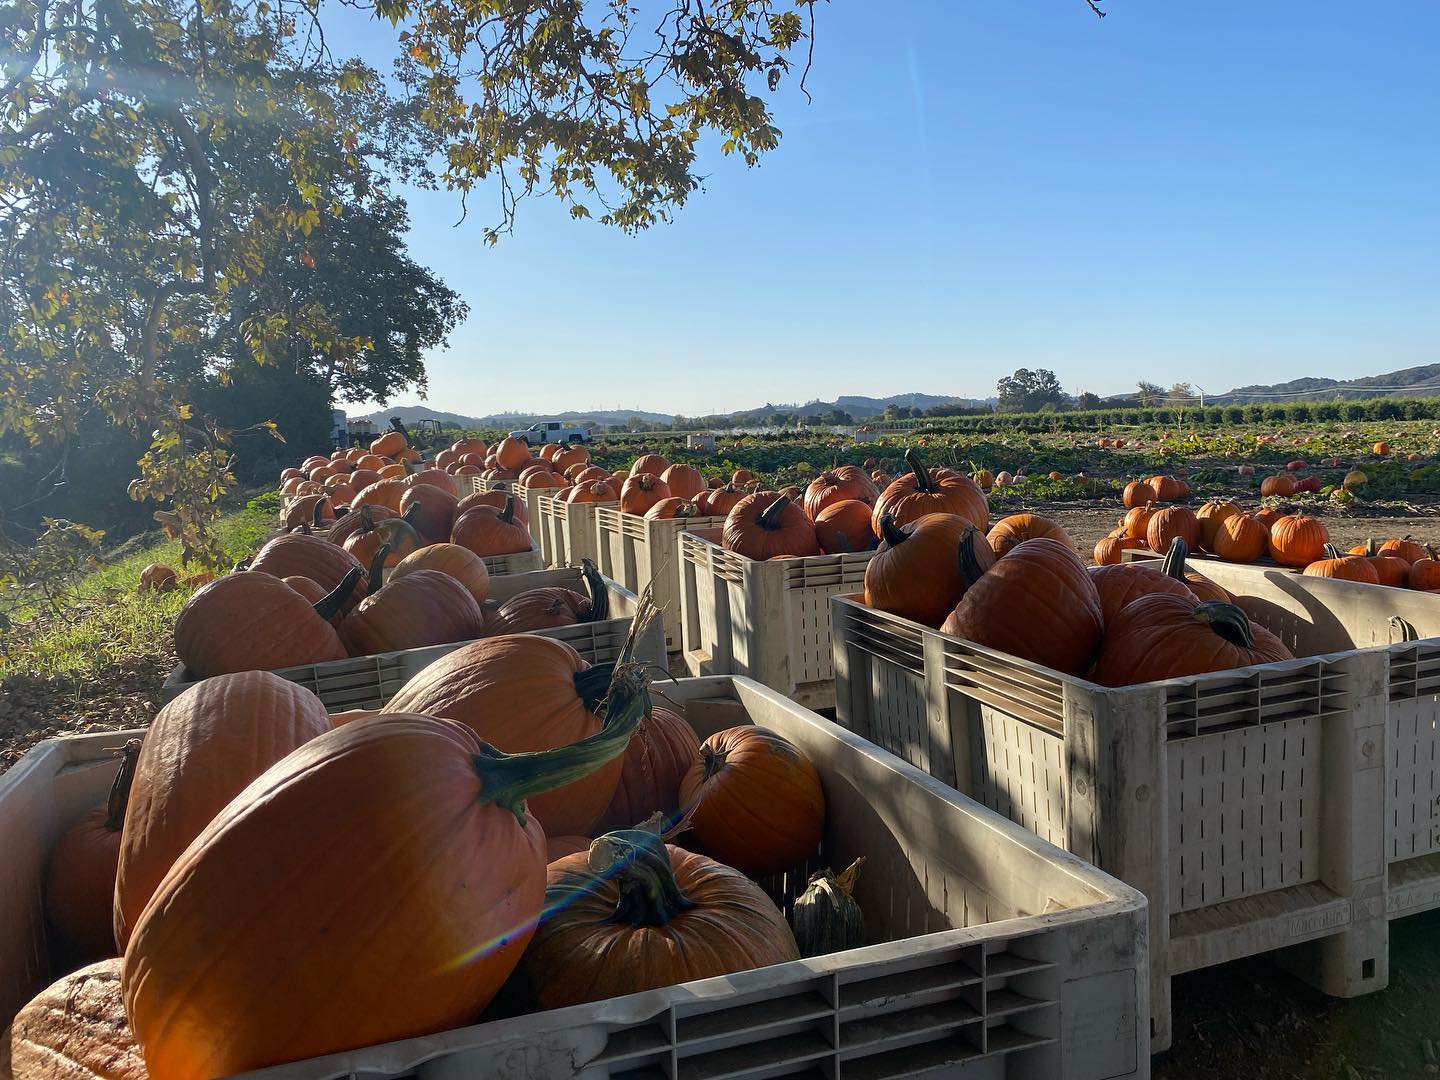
(826, 917)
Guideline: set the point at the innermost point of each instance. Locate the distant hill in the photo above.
(1411, 382)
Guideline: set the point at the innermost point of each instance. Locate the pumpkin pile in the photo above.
(514, 816)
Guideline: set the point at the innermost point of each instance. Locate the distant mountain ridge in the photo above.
(1421, 381)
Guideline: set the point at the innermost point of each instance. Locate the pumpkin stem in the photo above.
(375, 576)
(847, 878)
(593, 684)
(599, 594)
(119, 797)
(1370, 549)
(329, 605)
(318, 520)
(922, 475)
(1174, 564)
(639, 863)
(712, 760)
(842, 543)
(1331, 551)
(507, 515)
(507, 780)
(970, 569)
(891, 533)
(242, 565)
(1407, 629)
(1228, 621)
(770, 517)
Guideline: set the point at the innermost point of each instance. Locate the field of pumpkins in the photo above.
(518, 827)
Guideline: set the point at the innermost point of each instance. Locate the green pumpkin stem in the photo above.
(1405, 627)
(770, 517)
(375, 576)
(507, 780)
(711, 760)
(639, 863)
(119, 797)
(842, 544)
(507, 515)
(319, 520)
(1228, 621)
(1331, 551)
(599, 594)
(922, 474)
(1174, 564)
(891, 533)
(329, 605)
(970, 569)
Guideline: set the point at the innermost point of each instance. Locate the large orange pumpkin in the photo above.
(844, 527)
(1137, 521)
(660, 753)
(388, 444)
(755, 801)
(1037, 603)
(1010, 532)
(767, 526)
(641, 491)
(934, 491)
(1344, 567)
(202, 750)
(1298, 540)
(1404, 548)
(512, 453)
(1165, 637)
(573, 454)
(421, 608)
(458, 562)
(433, 511)
(487, 531)
(842, 484)
(633, 913)
(1170, 522)
(1138, 493)
(432, 821)
(320, 559)
(252, 621)
(1210, 516)
(684, 481)
(74, 1029)
(653, 464)
(499, 500)
(1168, 488)
(1281, 484)
(1241, 538)
(922, 569)
(1120, 584)
(1425, 573)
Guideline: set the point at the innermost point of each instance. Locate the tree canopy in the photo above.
(1029, 391)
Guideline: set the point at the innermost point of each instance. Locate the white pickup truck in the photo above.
(556, 431)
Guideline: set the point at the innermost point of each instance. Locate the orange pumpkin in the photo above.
(1210, 515)
(1166, 637)
(1425, 573)
(1298, 540)
(1404, 548)
(1138, 493)
(424, 607)
(488, 532)
(499, 500)
(1281, 484)
(684, 481)
(843, 484)
(653, 464)
(764, 526)
(1109, 551)
(512, 453)
(1241, 538)
(1345, 567)
(1168, 523)
(659, 755)
(1137, 521)
(388, 444)
(844, 526)
(1168, 488)
(932, 491)
(921, 570)
(458, 562)
(1010, 532)
(433, 512)
(641, 491)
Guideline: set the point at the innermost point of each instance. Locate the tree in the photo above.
(1087, 401)
(1027, 391)
(1181, 394)
(779, 419)
(839, 418)
(1148, 393)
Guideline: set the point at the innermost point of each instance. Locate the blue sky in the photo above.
(1224, 193)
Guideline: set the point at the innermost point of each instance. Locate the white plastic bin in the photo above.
(766, 620)
(1288, 804)
(567, 531)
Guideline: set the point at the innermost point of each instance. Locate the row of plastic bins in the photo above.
(567, 531)
(1292, 804)
(990, 953)
(367, 682)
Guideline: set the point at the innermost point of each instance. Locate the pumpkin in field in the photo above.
(1166, 637)
(984, 479)
(430, 818)
(764, 526)
(1137, 521)
(1405, 548)
(252, 621)
(1169, 522)
(524, 694)
(754, 800)
(1041, 583)
(421, 608)
(1241, 538)
(843, 484)
(1109, 550)
(1210, 515)
(633, 913)
(512, 454)
(458, 562)
(684, 481)
(1382, 449)
(641, 491)
(930, 491)
(1425, 573)
(1345, 567)
(826, 919)
(922, 569)
(1168, 488)
(1281, 484)
(1010, 532)
(74, 1029)
(1298, 540)
(488, 532)
(80, 879)
(388, 444)
(1354, 479)
(656, 761)
(653, 464)
(157, 577)
(844, 527)
(202, 750)
(1138, 493)
(742, 478)
(433, 511)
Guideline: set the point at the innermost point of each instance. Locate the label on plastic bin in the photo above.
(1098, 1026)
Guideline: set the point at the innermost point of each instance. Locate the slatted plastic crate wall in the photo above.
(367, 682)
(567, 532)
(530, 498)
(521, 562)
(638, 551)
(766, 620)
(1244, 804)
(992, 955)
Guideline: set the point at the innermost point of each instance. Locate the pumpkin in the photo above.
(1297, 540)
(421, 608)
(202, 750)
(673, 507)
(255, 622)
(512, 453)
(434, 511)
(641, 491)
(1168, 488)
(157, 577)
(1389, 569)
(742, 478)
(1166, 637)
(557, 847)
(388, 444)
(984, 479)
(1014, 530)
(436, 478)
(524, 694)
(1137, 521)
(1138, 493)
(844, 527)
(546, 608)
(656, 761)
(1267, 516)
(398, 536)
(1241, 538)
(458, 562)
(1425, 573)
(1118, 585)
(470, 446)
(653, 464)
(593, 492)
(584, 473)
(1040, 585)
(924, 492)
(762, 526)
(1405, 548)
(1345, 567)
(1199, 584)
(571, 454)
(843, 484)
(430, 818)
(1168, 523)
(496, 499)
(1382, 449)
(487, 531)
(1110, 551)
(314, 557)
(80, 879)
(740, 771)
(719, 502)
(633, 913)
(684, 481)
(74, 1029)
(826, 919)
(921, 570)
(1210, 515)
(1281, 484)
